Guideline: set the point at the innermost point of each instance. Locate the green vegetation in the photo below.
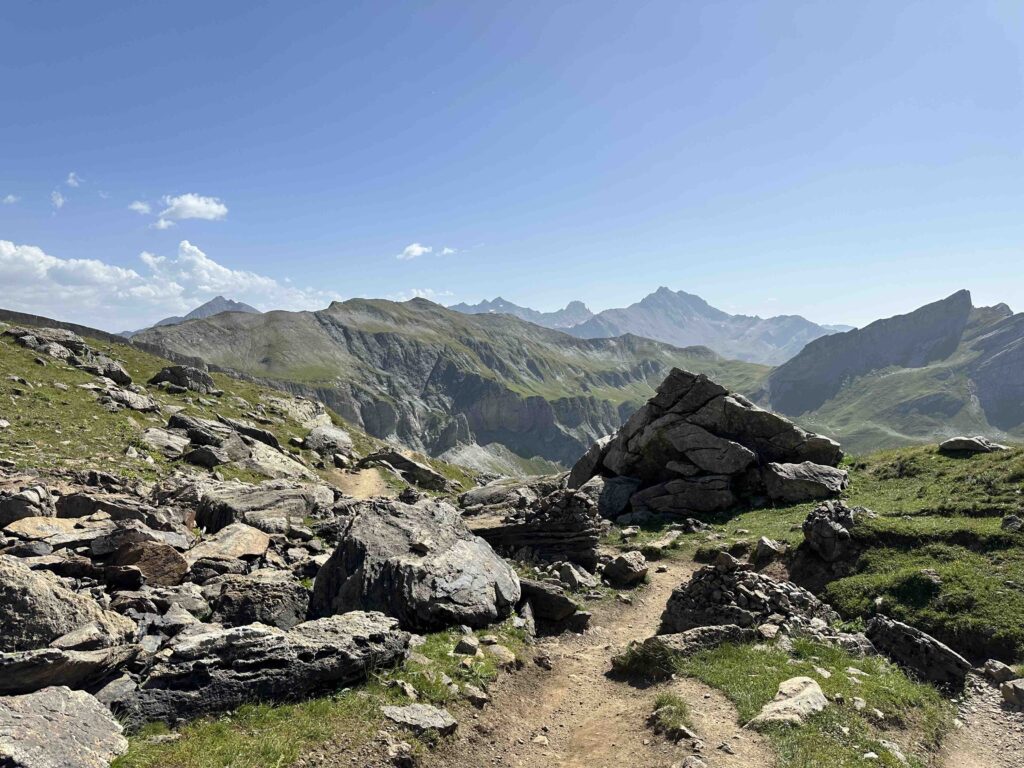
(260, 735)
(671, 714)
(912, 714)
(935, 555)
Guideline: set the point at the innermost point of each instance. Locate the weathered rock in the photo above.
(698, 639)
(797, 698)
(168, 443)
(695, 448)
(918, 651)
(998, 672)
(412, 471)
(575, 577)
(417, 563)
(328, 440)
(803, 481)
(160, 564)
(420, 718)
(1013, 693)
(36, 608)
(266, 596)
(977, 444)
(275, 506)
(766, 551)
(731, 593)
(34, 501)
(110, 369)
(211, 669)
(626, 570)
(233, 542)
(249, 429)
(125, 398)
(611, 494)
(207, 456)
(1012, 523)
(827, 530)
(27, 671)
(504, 495)
(564, 525)
(552, 610)
(188, 377)
(58, 728)
(36, 337)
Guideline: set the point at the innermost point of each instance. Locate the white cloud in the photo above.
(446, 251)
(74, 180)
(57, 199)
(10, 199)
(413, 250)
(162, 224)
(118, 298)
(421, 293)
(193, 206)
(140, 207)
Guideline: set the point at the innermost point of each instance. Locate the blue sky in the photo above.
(844, 161)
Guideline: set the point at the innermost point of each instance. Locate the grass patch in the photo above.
(749, 675)
(671, 714)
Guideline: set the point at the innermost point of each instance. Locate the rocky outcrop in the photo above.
(212, 669)
(266, 596)
(564, 525)
(328, 440)
(275, 506)
(183, 378)
(412, 471)
(731, 593)
(910, 647)
(694, 449)
(416, 562)
(58, 728)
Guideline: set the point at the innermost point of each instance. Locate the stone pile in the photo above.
(730, 592)
(565, 525)
(695, 449)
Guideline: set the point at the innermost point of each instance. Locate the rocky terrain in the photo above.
(211, 591)
(447, 383)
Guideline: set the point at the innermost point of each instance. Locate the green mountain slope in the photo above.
(947, 368)
(439, 380)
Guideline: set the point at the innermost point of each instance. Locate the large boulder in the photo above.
(412, 471)
(964, 445)
(803, 482)
(58, 728)
(266, 596)
(553, 610)
(695, 448)
(36, 608)
(729, 592)
(328, 440)
(33, 501)
(209, 669)
(565, 525)
(796, 700)
(275, 506)
(27, 671)
(916, 650)
(186, 377)
(237, 541)
(626, 570)
(416, 562)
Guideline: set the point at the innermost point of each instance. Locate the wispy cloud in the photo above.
(193, 206)
(162, 224)
(74, 180)
(115, 297)
(57, 199)
(446, 251)
(140, 207)
(10, 199)
(414, 250)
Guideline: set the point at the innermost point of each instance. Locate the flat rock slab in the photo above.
(236, 541)
(797, 698)
(420, 718)
(58, 728)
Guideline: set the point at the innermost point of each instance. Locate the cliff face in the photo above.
(434, 379)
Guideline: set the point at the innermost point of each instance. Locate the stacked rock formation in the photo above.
(695, 448)
(729, 592)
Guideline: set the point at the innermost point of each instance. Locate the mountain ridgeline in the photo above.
(678, 318)
(946, 368)
(214, 306)
(447, 382)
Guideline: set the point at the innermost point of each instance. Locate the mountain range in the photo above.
(946, 368)
(678, 318)
(446, 382)
(214, 306)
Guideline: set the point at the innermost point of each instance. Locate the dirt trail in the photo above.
(574, 716)
(991, 735)
(361, 484)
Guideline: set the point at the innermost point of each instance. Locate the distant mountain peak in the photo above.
(573, 313)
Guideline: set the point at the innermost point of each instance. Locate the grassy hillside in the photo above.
(935, 556)
(433, 378)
